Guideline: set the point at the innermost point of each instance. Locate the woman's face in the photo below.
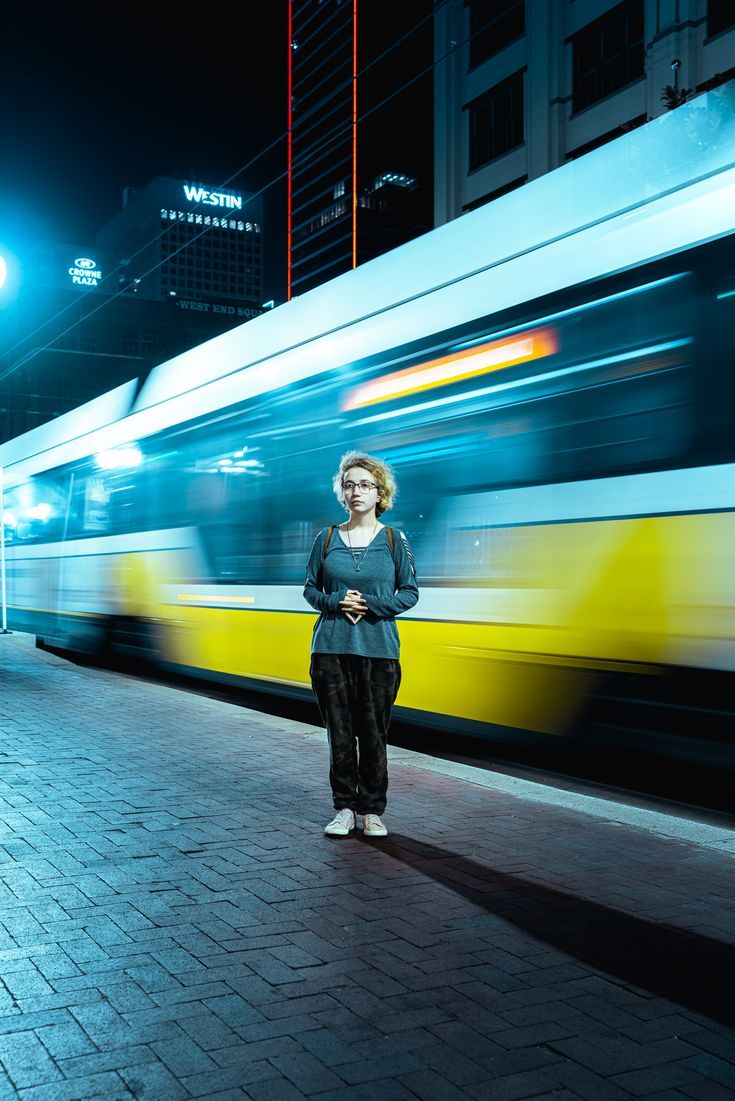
(364, 497)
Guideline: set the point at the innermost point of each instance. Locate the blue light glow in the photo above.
(42, 512)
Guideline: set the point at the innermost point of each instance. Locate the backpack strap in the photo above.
(326, 541)
(388, 532)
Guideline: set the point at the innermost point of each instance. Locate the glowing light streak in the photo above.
(119, 458)
(41, 512)
(494, 356)
(513, 384)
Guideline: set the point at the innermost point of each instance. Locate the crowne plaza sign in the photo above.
(84, 272)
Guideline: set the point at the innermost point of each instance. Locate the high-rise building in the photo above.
(183, 239)
(359, 167)
(520, 88)
(322, 186)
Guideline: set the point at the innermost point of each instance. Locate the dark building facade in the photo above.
(521, 88)
(179, 264)
(359, 176)
(183, 238)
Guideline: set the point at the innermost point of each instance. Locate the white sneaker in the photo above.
(341, 824)
(372, 826)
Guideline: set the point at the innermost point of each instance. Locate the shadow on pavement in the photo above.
(690, 969)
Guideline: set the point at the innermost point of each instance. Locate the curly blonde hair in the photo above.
(382, 476)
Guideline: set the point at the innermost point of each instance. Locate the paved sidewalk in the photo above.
(174, 925)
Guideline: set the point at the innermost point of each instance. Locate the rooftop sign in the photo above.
(84, 272)
(230, 200)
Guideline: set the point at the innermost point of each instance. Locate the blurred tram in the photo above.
(551, 377)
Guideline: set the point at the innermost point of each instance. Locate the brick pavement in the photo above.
(174, 925)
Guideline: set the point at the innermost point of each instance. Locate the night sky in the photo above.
(93, 99)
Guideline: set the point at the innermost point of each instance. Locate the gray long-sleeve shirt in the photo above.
(387, 582)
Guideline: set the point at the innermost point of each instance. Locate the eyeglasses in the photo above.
(364, 487)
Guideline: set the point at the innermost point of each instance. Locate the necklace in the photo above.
(355, 551)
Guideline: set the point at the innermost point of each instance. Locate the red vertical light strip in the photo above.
(289, 155)
(354, 133)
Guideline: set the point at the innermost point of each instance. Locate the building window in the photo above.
(608, 54)
(494, 24)
(720, 16)
(496, 121)
(129, 342)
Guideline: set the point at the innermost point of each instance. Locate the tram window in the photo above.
(296, 539)
(19, 527)
(11, 514)
(213, 479)
(601, 430)
(102, 501)
(90, 504)
(37, 511)
(514, 449)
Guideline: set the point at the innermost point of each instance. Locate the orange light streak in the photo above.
(494, 356)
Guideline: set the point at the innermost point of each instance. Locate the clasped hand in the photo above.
(354, 606)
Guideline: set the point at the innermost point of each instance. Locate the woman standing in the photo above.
(360, 576)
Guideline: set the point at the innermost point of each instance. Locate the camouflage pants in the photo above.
(355, 697)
